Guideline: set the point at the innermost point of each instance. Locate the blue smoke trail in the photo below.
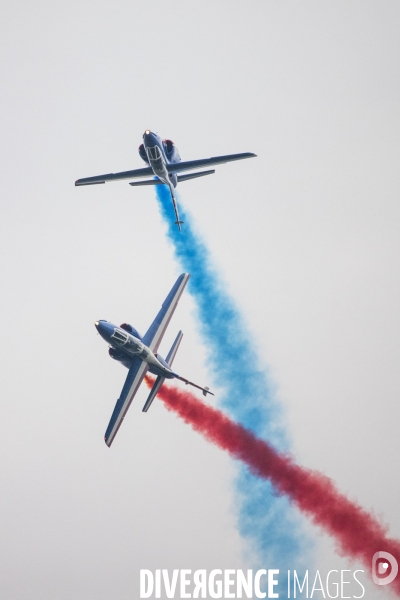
(275, 533)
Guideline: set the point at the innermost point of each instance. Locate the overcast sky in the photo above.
(305, 236)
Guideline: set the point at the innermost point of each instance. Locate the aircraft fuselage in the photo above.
(127, 346)
(159, 154)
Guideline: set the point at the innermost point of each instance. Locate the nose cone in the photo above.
(105, 329)
(149, 138)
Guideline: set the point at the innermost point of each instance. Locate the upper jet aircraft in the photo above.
(164, 162)
(139, 355)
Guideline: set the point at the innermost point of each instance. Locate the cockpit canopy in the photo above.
(154, 153)
(130, 329)
(120, 336)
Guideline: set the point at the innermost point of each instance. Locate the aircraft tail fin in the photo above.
(160, 380)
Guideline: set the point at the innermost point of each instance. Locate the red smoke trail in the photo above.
(357, 533)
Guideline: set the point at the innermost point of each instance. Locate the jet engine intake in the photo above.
(142, 153)
(171, 151)
(116, 354)
(168, 147)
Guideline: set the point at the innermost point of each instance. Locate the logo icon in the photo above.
(384, 568)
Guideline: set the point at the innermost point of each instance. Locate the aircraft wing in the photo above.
(156, 331)
(135, 376)
(147, 171)
(205, 162)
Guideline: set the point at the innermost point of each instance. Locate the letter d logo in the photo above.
(383, 562)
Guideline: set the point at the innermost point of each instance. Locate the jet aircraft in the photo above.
(140, 354)
(165, 164)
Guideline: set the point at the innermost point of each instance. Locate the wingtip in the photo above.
(184, 277)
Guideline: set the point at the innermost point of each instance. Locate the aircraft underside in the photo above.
(164, 165)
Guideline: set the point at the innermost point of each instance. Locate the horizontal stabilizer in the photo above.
(158, 182)
(194, 175)
(153, 392)
(146, 182)
(174, 349)
(160, 380)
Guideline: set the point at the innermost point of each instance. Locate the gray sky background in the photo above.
(306, 237)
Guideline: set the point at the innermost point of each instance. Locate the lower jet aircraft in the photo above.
(164, 162)
(140, 355)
